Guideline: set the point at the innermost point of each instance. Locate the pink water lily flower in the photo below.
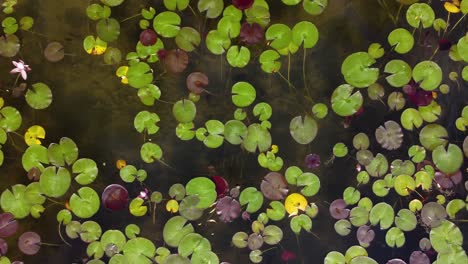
(21, 68)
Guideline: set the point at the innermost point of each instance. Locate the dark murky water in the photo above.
(93, 108)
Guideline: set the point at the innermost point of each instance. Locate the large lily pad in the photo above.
(303, 130)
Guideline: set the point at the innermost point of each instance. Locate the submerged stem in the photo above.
(131, 17)
(60, 234)
(456, 24)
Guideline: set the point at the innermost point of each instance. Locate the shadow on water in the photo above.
(93, 108)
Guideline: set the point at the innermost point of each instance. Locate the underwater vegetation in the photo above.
(407, 190)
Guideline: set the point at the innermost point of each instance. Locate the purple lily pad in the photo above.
(8, 225)
(419, 257)
(274, 186)
(29, 243)
(115, 197)
(3, 247)
(312, 161)
(255, 241)
(148, 37)
(222, 186)
(432, 214)
(448, 181)
(196, 82)
(176, 60)
(338, 209)
(251, 34)
(228, 209)
(396, 261)
(242, 4)
(365, 235)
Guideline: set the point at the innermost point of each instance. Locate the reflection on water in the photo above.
(93, 108)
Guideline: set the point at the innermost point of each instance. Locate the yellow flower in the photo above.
(274, 149)
(33, 135)
(172, 206)
(295, 202)
(120, 164)
(452, 7)
(122, 73)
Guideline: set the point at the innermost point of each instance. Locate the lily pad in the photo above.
(184, 111)
(243, 94)
(55, 183)
(84, 203)
(401, 40)
(357, 72)
(303, 130)
(175, 229)
(204, 188)
(344, 103)
(167, 24)
(428, 74)
(448, 160)
(251, 197)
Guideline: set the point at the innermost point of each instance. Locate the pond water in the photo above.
(92, 107)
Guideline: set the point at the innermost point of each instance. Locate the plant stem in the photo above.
(448, 23)
(166, 102)
(50, 244)
(60, 234)
(128, 18)
(456, 24)
(289, 67)
(154, 213)
(304, 73)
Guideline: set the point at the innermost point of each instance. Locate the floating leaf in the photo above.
(257, 138)
(420, 14)
(400, 73)
(108, 29)
(29, 243)
(175, 229)
(406, 220)
(448, 160)
(55, 183)
(428, 74)
(401, 40)
(54, 52)
(184, 111)
(300, 222)
(383, 214)
(84, 203)
(395, 237)
(343, 102)
(204, 188)
(303, 130)
(243, 94)
(251, 197)
(356, 70)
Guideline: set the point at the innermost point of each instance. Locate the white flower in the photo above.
(20, 68)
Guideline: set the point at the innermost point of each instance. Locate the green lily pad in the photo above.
(359, 216)
(383, 214)
(139, 75)
(150, 152)
(257, 138)
(272, 235)
(376, 50)
(167, 24)
(404, 185)
(406, 220)
(420, 14)
(66, 152)
(213, 8)
(340, 150)
(193, 243)
(9, 45)
(204, 257)
(251, 197)
(305, 33)
(300, 222)
(112, 2)
(137, 207)
(314, 7)
(10, 119)
(303, 130)
(400, 73)
(188, 38)
(279, 35)
(97, 11)
(342, 227)
(361, 141)
(55, 183)
(86, 169)
(35, 156)
(401, 40)
(184, 131)
(148, 94)
(445, 236)
(238, 57)
(357, 72)
(343, 102)
(428, 74)
(146, 121)
(184, 111)
(277, 211)
(395, 237)
(217, 43)
(378, 166)
(351, 195)
(39, 96)
(432, 136)
(448, 160)
(15, 201)
(140, 250)
(180, 5)
(243, 94)
(320, 110)
(454, 206)
(108, 29)
(269, 61)
(84, 203)
(411, 118)
(235, 132)
(229, 27)
(90, 231)
(132, 230)
(175, 230)
(204, 188)
(113, 237)
(462, 47)
(354, 252)
(334, 257)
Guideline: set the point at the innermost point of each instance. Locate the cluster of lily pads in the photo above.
(419, 191)
(426, 182)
